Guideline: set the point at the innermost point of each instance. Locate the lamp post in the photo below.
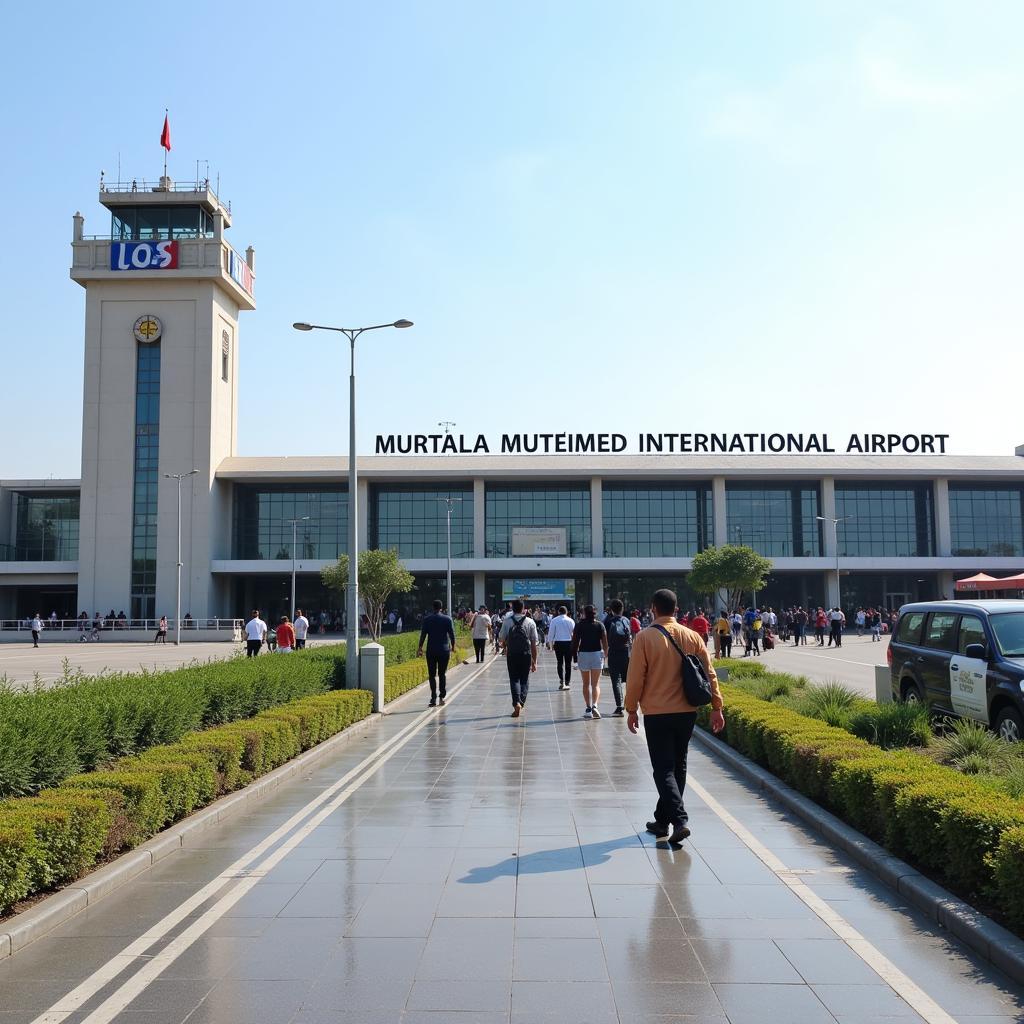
(835, 534)
(352, 602)
(295, 522)
(177, 589)
(449, 508)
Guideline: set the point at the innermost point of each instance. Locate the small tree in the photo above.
(732, 568)
(381, 574)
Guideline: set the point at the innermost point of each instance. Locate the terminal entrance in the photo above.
(538, 591)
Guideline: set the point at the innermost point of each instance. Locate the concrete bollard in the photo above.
(883, 684)
(723, 674)
(371, 673)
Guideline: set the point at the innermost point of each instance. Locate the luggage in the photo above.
(769, 643)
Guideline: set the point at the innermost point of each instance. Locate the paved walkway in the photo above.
(457, 865)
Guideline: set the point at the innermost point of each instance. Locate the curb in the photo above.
(992, 941)
(24, 928)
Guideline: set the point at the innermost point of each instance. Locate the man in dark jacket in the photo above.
(439, 632)
(620, 639)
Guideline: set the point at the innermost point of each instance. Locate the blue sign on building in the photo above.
(539, 590)
(143, 255)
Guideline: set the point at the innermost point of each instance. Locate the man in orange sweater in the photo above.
(654, 684)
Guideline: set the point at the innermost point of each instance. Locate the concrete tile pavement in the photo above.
(497, 870)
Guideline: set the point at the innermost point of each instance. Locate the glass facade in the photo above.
(413, 520)
(655, 521)
(46, 528)
(987, 520)
(509, 505)
(886, 521)
(147, 479)
(636, 591)
(262, 521)
(160, 223)
(773, 520)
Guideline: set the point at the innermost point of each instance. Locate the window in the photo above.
(775, 521)
(971, 632)
(884, 521)
(46, 528)
(1009, 630)
(413, 520)
(940, 631)
(225, 353)
(655, 520)
(909, 630)
(147, 450)
(160, 222)
(509, 505)
(986, 520)
(263, 522)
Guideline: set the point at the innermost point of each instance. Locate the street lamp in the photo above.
(177, 590)
(295, 523)
(352, 603)
(835, 533)
(449, 508)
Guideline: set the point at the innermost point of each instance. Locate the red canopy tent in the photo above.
(982, 581)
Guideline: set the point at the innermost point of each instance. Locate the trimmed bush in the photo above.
(892, 726)
(967, 831)
(17, 854)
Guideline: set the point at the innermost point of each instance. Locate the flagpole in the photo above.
(165, 148)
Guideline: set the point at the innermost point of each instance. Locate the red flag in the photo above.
(165, 135)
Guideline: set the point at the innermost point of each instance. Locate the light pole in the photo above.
(177, 589)
(449, 508)
(835, 534)
(352, 603)
(295, 523)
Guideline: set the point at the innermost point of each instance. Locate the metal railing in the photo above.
(174, 236)
(116, 625)
(202, 185)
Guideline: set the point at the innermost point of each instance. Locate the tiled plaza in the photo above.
(479, 869)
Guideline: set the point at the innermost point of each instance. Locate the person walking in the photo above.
(255, 633)
(560, 634)
(285, 636)
(439, 632)
(700, 625)
(800, 628)
(654, 686)
(518, 639)
(836, 622)
(723, 631)
(820, 621)
(36, 625)
(589, 650)
(301, 626)
(481, 632)
(860, 620)
(161, 631)
(620, 640)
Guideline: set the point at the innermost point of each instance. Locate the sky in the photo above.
(668, 217)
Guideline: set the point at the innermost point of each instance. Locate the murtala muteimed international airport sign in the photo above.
(663, 444)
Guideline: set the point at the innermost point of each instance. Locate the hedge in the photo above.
(84, 724)
(960, 829)
(53, 837)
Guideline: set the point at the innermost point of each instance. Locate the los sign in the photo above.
(143, 255)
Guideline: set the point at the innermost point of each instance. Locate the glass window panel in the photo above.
(986, 520)
(775, 521)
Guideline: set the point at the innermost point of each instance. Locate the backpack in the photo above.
(518, 640)
(620, 636)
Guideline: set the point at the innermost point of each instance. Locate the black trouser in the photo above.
(479, 646)
(668, 739)
(35, 637)
(437, 667)
(563, 659)
(725, 644)
(519, 676)
(300, 643)
(252, 648)
(837, 633)
(618, 666)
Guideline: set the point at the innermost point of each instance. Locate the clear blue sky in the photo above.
(668, 216)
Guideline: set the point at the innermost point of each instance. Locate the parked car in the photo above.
(963, 658)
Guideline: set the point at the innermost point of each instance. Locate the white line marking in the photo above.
(83, 992)
(908, 990)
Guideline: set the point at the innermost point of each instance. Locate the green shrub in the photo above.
(831, 702)
(144, 807)
(768, 687)
(17, 853)
(892, 726)
(970, 744)
(965, 830)
(1012, 781)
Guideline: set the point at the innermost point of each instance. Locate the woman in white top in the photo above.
(481, 630)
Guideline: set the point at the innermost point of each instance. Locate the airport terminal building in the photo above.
(164, 294)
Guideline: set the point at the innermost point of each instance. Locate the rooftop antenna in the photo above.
(447, 424)
(119, 167)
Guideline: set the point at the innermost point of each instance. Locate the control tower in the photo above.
(164, 290)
